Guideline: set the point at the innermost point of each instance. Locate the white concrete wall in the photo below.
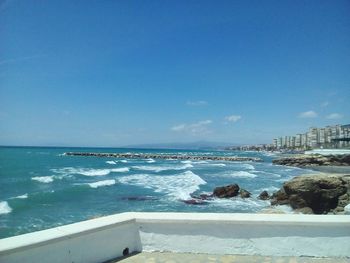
(253, 234)
(105, 238)
(95, 240)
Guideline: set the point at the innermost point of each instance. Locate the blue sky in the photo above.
(111, 73)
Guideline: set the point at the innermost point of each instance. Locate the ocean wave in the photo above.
(241, 174)
(247, 166)
(43, 179)
(5, 208)
(20, 196)
(194, 162)
(123, 161)
(90, 172)
(150, 160)
(102, 183)
(217, 164)
(178, 187)
(161, 168)
(240, 204)
(111, 162)
(268, 173)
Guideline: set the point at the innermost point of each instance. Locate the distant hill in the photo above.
(198, 145)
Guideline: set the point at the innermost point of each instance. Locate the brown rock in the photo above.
(226, 191)
(244, 193)
(280, 198)
(321, 193)
(264, 195)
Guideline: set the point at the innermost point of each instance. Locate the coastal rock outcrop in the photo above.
(320, 193)
(244, 193)
(314, 160)
(227, 191)
(264, 195)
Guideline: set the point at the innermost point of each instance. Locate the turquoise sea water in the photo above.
(40, 188)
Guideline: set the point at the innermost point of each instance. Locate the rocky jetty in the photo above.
(166, 156)
(314, 160)
(317, 194)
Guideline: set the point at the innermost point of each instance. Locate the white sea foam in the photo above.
(21, 196)
(246, 204)
(218, 164)
(123, 161)
(243, 174)
(150, 160)
(161, 168)
(178, 186)
(89, 172)
(194, 162)
(269, 174)
(5, 208)
(43, 179)
(248, 166)
(111, 162)
(102, 183)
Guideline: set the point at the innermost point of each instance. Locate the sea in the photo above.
(41, 188)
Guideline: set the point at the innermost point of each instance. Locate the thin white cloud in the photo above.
(197, 128)
(325, 104)
(233, 118)
(197, 103)
(179, 127)
(308, 114)
(334, 116)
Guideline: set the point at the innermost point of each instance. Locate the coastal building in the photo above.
(336, 136)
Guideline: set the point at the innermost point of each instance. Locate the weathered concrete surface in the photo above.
(166, 156)
(158, 257)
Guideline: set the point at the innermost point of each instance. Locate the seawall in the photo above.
(105, 238)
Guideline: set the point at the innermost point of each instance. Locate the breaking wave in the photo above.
(43, 179)
(5, 208)
(21, 196)
(178, 186)
(161, 168)
(90, 172)
(102, 183)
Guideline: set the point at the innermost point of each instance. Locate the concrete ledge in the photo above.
(105, 238)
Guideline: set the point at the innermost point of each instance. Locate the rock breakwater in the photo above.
(314, 160)
(166, 156)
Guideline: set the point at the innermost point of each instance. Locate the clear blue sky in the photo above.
(111, 73)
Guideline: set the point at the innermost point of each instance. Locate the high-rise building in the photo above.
(337, 136)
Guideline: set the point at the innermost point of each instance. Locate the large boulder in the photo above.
(226, 191)
(319, 192)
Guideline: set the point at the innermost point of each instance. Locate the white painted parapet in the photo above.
(246, 234)
(105, 238)
(95, 240)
